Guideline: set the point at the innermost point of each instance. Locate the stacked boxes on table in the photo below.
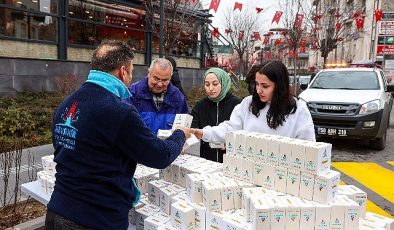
(292, 166)
(46, 177)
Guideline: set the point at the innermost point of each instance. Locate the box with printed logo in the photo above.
(351, 219)
(183, 216)
(337, 220)
(260, 214)
(194, 187)
(165, 199)
(284, 157)
(184, 120)
(154, 191)
(273, 150)
(227, 193)
(268, 176)
(240, 142)
(200, 212)
(293, 182)
(298, 149)
(230, 143)
(214, 220)
(280, 179)
(323, 214)
(317, 157)
(306, 185)
(326, 187)
(260, 148)
(153, 222)
(278, 213)
(307, 214)
(293, 212)
(212, 198)
(247, 170)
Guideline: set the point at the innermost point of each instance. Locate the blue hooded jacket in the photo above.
(174, 103)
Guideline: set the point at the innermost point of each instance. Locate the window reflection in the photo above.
(19, 24)
(45, 6)
(91, 34)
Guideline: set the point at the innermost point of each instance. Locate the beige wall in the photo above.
(184, 62)
(27, 49)
(85, 54)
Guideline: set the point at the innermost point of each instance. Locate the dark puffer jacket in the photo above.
(207, 112)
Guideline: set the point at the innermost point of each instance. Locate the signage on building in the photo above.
(385, 49)
(386, 28)
(388, 15)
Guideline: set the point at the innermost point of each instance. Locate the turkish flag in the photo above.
(266, 40)
(215, 32)
(277, 42)
(259, 10)
(241, 35)
(277, 16)
(214, 5)
(228, 31)
(337, 26)
(256, 35)
(302, 49)
(378, 15)
(298, 21)
(360, 22)
(238, 5)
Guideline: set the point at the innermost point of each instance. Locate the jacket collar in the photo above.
(110, 83)
(142, 89)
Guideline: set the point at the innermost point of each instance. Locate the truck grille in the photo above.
(331, 108)
(334, 123)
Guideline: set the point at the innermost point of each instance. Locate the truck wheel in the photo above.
(379, 143)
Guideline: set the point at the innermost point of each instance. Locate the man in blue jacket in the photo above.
(98, 142)
(156, 98)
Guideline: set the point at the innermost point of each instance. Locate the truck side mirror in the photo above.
(304, 86)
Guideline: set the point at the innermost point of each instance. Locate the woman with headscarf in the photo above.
(214, 109)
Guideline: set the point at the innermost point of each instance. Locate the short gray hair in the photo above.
(163, 64)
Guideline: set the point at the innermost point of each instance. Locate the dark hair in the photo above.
(173, 62)
(282, 103)
(110, 55)
(251, 78)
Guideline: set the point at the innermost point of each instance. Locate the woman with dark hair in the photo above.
(175, 79)
(215, 108)
(271, 110)
(251, 76)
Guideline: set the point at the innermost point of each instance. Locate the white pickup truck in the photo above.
(353, 103)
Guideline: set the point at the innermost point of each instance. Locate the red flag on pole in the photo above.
(360, 22)
(228, 31)
(241, 35)
(277, 16)
(298, 21)
(378, 15)
(215, 32)
(337, 26)
(266, 40)
(214, 5)
(238, 5)
(256, 35)
(277, 42)
(259, 10)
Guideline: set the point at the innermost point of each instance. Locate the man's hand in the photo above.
(185, 130)
(197, 132)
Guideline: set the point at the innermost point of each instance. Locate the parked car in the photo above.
(304, 79)
(350, 103)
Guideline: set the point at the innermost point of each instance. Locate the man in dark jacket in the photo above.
(156, 98)
(98, 142)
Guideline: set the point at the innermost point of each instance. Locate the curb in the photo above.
(34, 224)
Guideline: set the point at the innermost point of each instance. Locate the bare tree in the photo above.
(180, 17)
(240, 28)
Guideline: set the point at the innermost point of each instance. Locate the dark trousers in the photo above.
(55, 222)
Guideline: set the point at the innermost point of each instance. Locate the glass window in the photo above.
(83, 33)
(354, 80)
(107, 13)
(20, 24)
(45, 6)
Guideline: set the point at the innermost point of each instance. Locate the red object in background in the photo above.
(276, 17)
(298, 21)
(316, 18)
(238, 5)
(214, 5)
(259, 10)
(228, 31)
(241, 35)
(302, 49)
(360, 22)
(256, 35)
(378, 15)
(215, 32)
(277, 42)
(266, 40)
(337, 26)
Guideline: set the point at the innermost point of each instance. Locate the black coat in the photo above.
(205, 113)
(176, 80)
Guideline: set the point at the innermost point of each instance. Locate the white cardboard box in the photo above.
(184, 120)
(230, 143)
(260, 213)
(351, 213)
(200, 212)
(278, 213)
(284, 156)
(211, 196)
(214, 220)
(269, 176)
(326, 187)
(247, 170)
(356, 194)
(163, 133)
(388, 222)
(194, 187)
(165, 199)
(318, 157)
(152, 222)
(293, 182)
(306, 185)
(297, 161)
(240, 142)
(273, 150)
(337, 220)
(227, 193)
(183, 216)
(258, 176)
(154, 191)
(323, 215)
(260, 148)
(280, 179)
(233, 223)
(293, 212)
(307, 214)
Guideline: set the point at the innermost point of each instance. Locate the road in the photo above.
(368, 169)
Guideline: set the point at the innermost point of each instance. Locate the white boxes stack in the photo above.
(46, 177)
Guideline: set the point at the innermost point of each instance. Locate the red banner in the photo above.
(277, 16)
(214, 5)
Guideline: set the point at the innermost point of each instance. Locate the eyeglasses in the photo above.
(157, 80)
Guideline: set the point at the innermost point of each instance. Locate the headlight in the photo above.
(370, 107)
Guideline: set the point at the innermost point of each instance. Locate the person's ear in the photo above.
(122, 73)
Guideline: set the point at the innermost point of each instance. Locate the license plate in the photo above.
(331, 131)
